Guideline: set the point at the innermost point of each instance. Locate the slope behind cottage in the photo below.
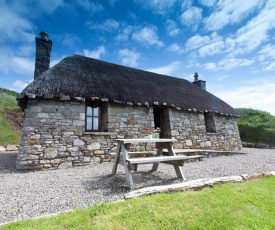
(75, 110)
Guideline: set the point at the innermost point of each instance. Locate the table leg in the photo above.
(127, 167)
(177, 168)
(116, 159)
(156, 165)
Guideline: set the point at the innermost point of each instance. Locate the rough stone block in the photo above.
(11, 148)
(65, 165)
(2, 149)
(93, 146)
(43, 115)
(78, 142)
(50, 153)
(189, 142)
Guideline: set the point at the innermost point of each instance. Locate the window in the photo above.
(93, 117)
(209, 122)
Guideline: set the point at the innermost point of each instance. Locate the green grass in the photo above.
(248, 205)
(7, 103)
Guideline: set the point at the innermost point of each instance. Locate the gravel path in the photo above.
(31, 194)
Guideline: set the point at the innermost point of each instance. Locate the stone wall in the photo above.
(54, 136)
(189, 129)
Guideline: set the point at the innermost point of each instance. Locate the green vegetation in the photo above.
(8, 104)
(248, 205)
(256, 126)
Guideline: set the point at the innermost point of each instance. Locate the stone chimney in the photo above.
(200, 83)
(43, 54)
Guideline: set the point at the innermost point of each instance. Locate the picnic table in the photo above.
(130, 160)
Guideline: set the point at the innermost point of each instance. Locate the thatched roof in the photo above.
(78, 77)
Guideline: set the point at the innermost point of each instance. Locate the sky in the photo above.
(230, 43)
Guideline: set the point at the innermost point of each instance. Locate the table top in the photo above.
(147, 140)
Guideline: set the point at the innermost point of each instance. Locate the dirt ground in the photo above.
(15, 119)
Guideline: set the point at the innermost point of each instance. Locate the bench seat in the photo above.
(156, 159)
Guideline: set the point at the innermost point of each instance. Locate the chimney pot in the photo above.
(200, 83)
(196, 76)
(44, 35)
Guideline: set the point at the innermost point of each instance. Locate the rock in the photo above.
(11, 148)
(207, 144)
(93, 146)
(189, 142)
(50, 153)
(78, 142)
(66, 165)
(2, 149)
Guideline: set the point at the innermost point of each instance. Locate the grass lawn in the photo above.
(249, 205)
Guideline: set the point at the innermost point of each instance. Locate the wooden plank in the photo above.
(148, 160)
(127, 166)
(156, 140)
(116, 159)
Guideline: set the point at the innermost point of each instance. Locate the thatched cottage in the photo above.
(75, 110)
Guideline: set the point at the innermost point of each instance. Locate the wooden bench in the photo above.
(175, 160)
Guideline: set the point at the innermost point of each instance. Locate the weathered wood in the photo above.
(158, 140)
(142, 152)
(116, 159)
(150, 160)
(195, 184)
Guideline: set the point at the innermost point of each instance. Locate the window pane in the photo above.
(89, 125)
(89, 111)
(95, 111)
(95, 123)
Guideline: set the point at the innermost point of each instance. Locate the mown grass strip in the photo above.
(248, 205)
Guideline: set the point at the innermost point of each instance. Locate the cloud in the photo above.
(208, 3)
(108, 25)
(230, 12)
(90, 6)
(14, 26)
(9, 62)
(233, 63)
(157, 6)
(270, 67)
(205, 45)
(191, 17)
(147, 36)
(256, 31)
(256, 94)
(171, 28)
(168, 69)
(124, 35)
(211, 49)
(95, 53)
(196, 42)
(210, 66)
(175, 48)
(128, 57)
(69, 40)
(20, 85)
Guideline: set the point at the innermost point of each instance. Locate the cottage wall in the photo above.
(190, 131)
(54, 136)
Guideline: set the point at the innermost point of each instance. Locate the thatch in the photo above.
(77, 76)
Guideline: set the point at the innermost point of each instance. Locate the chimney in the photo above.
(43, 54)
(200, 83)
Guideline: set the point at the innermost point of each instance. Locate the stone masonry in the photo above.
(54, 136)
(189, 129)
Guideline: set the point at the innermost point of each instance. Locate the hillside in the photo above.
(11, 118)
(256, 126)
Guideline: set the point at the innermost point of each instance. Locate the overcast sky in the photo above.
(230, 43)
